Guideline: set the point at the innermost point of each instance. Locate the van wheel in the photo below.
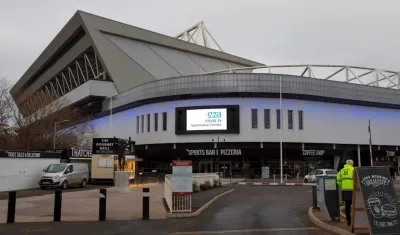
(42, 187)
(84, 183)
(305, 180)
(64, 185)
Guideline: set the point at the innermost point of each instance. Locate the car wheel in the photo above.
(305, 180)
(42, 187)
(64, 185)
(84, 183)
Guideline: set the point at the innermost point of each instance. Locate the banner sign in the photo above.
(81, 153)
(307, 152)
(214, 152)
(72, 153)
(104, 146)
(28, 154)
(182, 177)
(265, 172)
(182, 167)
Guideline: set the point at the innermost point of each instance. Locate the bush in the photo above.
(195, 187)
(203, 187)
(217, 183)
(208, 184)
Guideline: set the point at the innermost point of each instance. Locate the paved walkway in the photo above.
(40, 192)
(83, 205)
(247, 210)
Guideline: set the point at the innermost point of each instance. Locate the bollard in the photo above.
(57, 205)
(102, 204)
(146, 203)
(314, 197)
(12, 201)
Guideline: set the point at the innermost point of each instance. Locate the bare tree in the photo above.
(6, 132)
(51, 122)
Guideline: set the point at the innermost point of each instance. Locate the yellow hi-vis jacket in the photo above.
(345, 178)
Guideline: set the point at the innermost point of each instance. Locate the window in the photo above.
(142, 124)
(105, 163)
(69, 169)
(301, 120)
(164, 121)
(267, 118)
(148, 122)
(290, 119)
(331, 172)
(137, 124)
(254, 120)
(156, 122)
(278, 119)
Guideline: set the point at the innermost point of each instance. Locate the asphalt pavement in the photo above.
(247, 210)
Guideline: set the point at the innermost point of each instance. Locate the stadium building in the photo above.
(180, 100)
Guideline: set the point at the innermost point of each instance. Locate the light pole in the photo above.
(55, 132)
(111, 107)
(281, 132)
(217, 157)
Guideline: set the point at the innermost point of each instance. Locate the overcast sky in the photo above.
(358, 32)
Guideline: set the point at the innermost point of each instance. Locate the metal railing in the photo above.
(176, 202)
(342, 73)
(168, 191)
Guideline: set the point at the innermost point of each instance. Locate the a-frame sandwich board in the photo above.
(375, 208)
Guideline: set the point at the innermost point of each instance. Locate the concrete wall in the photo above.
(323, 123)
(22, 173)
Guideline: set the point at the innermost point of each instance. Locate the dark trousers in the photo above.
(347, 197)
(347, 210)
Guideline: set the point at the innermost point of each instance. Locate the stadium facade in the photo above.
(177, 99)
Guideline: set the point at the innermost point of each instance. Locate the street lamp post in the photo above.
(281, 132)
(55, 132)
(217, 158)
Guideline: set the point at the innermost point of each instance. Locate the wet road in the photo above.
(248, 210)
(255, 210)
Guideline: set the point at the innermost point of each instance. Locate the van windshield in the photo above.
(55, 168)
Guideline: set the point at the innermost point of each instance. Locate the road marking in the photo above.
(244, 231)
(43, 229)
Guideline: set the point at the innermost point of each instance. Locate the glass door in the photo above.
(205, 167)
(225, 168)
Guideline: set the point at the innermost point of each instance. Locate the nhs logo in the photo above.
(214, 115)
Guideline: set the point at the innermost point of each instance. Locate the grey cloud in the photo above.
(358, 32)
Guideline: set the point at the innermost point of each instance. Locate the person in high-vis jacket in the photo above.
(345, 181)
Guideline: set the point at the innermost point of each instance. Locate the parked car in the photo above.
(311, 177)
(63, 175)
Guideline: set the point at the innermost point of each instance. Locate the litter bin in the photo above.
(318, 178)
(328, 198)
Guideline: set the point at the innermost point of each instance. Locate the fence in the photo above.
(183, 202)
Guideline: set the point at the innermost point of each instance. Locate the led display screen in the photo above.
(207, 119)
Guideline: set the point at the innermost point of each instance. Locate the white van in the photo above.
(63, 175)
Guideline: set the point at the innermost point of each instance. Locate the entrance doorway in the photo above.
(205, 167)
(226, 169)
